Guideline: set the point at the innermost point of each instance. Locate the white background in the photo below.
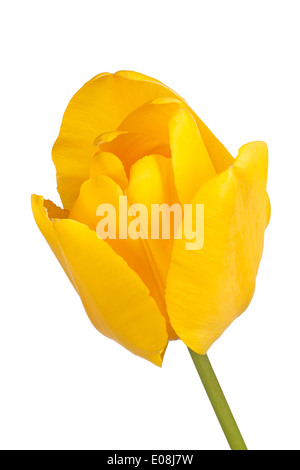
(63, 385)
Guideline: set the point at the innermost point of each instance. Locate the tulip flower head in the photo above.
(161, 231)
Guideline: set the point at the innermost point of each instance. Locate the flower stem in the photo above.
(218, 401)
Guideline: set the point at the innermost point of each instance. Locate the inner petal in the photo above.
(152, 183)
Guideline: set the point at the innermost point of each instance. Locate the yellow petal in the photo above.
(116, 300)
(191, 162)
(207, 289)
(152, 182)
(98, 107)
(219, 155)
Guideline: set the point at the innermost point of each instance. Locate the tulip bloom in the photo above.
(127, 145)
(126, 134)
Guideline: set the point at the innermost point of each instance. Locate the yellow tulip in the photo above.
(128, 134)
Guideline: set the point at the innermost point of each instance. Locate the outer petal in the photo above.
(116, 300)
(209, 288)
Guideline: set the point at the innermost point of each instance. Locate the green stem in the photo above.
(218, 401)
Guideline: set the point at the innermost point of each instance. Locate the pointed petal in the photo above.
(207, 289)
(191, 162)
(116, 300)
(152, 181)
